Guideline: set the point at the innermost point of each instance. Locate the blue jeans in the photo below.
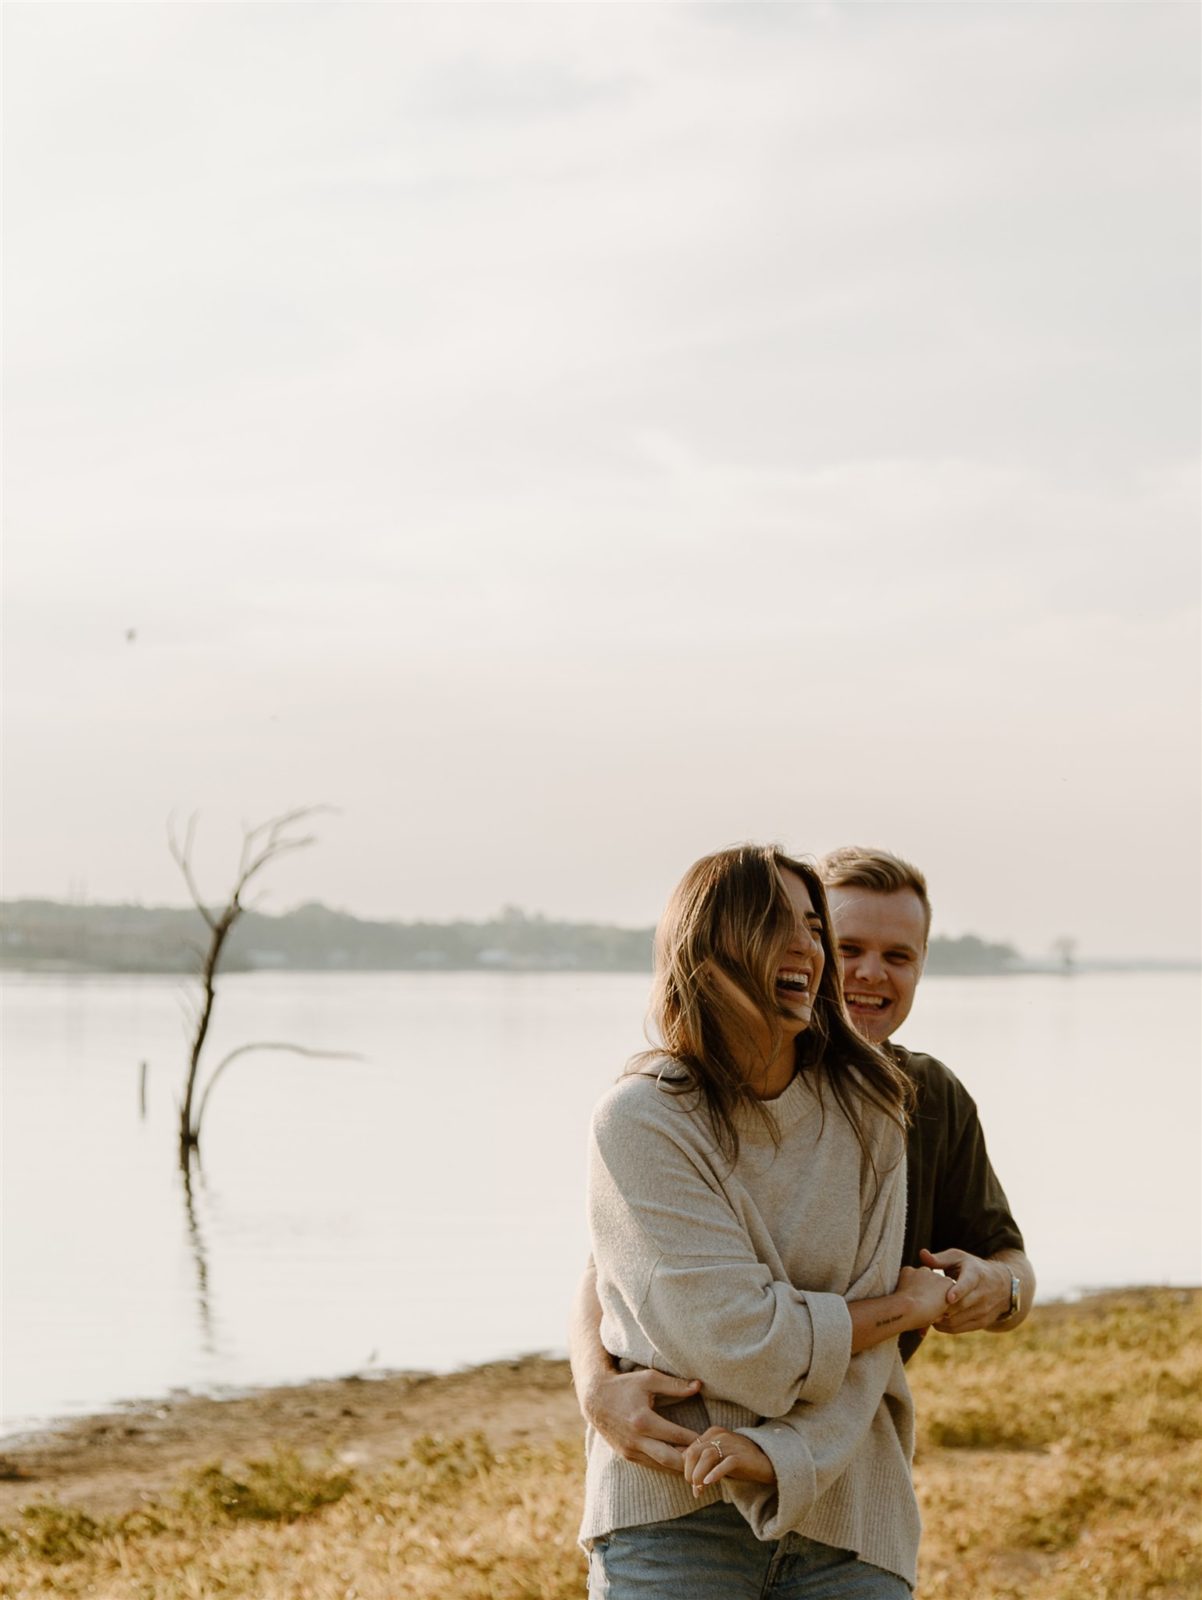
(713, 1555)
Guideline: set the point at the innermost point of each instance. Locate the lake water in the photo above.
(422, 1207)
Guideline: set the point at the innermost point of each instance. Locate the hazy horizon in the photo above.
(503, 913)
(569, 439)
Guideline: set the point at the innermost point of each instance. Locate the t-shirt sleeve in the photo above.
(971, 1209)
(670, 1248)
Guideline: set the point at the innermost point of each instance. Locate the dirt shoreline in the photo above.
(118, 1460)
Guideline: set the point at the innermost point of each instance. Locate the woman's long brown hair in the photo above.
(731, 914)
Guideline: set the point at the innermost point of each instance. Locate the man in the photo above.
(958, 1218)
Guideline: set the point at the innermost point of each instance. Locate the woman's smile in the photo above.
(791, 978)
(801, 964)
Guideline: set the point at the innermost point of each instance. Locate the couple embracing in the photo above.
(751, 1258)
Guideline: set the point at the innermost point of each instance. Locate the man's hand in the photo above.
(982, 1290)
(621, 1406)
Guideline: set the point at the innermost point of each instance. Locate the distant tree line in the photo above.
(42, 933)
(969, 955)
(47, 934)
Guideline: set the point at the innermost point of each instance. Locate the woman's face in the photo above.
(799, 968)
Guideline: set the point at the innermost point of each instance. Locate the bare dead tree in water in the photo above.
(200, 1261)
(277, 837)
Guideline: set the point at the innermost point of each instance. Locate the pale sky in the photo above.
(571, 438)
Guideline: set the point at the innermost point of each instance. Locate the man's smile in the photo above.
(867, 1002)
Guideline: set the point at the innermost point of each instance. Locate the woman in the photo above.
(746, 1203)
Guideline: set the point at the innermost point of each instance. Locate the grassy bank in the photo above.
(1061, 1462)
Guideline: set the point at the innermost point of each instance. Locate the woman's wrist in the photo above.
(883, 1317)
(915, 1317)
(904, 1312)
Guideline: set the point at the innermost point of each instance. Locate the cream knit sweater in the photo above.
(698, 1274)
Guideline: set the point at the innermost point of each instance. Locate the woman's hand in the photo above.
(718, 1454)
(930, 1294)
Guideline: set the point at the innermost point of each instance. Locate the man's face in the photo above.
(882, 944)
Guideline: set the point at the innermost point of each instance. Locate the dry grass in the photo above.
(1062, 1462)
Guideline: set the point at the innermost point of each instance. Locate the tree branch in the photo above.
(245, 1049)
(183, 859)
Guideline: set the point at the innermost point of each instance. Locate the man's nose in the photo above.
(868, 968)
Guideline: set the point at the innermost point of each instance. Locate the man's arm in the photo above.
(983, 1290)
(621, 1405)
(972, 1221)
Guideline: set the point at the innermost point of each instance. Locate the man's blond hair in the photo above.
(853, 866)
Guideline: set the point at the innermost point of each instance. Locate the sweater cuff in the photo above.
(773, 1509)
(830, 1354)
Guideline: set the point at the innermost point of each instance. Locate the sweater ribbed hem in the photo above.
(881, 1522)
(621, 1494)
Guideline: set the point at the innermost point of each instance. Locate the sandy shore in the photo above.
(116, 1461)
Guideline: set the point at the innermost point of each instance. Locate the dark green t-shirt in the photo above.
(954, 1199)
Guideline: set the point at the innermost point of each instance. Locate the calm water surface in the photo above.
(422, 1207)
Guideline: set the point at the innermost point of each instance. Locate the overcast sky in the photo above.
(570, 438)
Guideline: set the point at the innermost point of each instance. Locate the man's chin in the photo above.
(875, 1026)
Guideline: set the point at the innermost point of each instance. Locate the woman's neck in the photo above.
(770, 1078)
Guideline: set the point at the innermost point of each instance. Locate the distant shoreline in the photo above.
(65, 969)
(49, 936)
